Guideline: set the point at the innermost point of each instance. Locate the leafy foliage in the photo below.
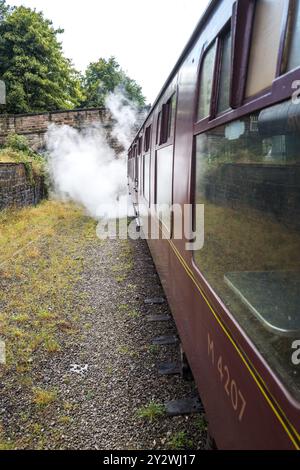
(103, 77)
(4, 9)
(39, 78)
(17, 142)
(37, 75)
(17, 150)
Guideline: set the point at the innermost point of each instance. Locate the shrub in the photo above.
(18, 142)
(17, 150)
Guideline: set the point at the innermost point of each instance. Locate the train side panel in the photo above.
(247, 406)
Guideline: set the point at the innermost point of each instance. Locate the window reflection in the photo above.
(224, 89)
(206, 83)
(294, 50)
(265, 45)
(248, 178)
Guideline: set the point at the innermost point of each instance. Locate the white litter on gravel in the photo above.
(77, 369)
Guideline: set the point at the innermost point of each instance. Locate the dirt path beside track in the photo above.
(81, 368)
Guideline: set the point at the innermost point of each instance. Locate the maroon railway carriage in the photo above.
(225, 132)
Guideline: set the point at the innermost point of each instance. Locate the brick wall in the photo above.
(34, 126)
(17, 188)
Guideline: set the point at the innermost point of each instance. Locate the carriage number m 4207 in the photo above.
(233, 392)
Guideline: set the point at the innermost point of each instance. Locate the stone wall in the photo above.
(34, 126)
(17, 188)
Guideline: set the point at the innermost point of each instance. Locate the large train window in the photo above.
(206, 82)
(293, 37)
(225, 73)
(266, 35)
(248, 178)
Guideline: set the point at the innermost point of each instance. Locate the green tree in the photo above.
(37, 75)
(4, 10)
(103, 77)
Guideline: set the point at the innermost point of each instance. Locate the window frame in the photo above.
(158, 128)
(284, 41)
(250, 11)
(242, 21)
(136, 167)
(147, 155)
(146, 151)
(218, 71)
(204, 52)
(166, 119)
(157, 151)
(147, 138)
(165, 132)
(140, 141)
(218, 40)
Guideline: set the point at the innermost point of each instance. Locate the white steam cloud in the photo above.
(125, 115)
(84, 168)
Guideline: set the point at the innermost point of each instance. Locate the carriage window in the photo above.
(141, 172)
(164, 165)
(294, 50)
(147, 177)
(164, 124)
(167, 120)
(130, 172)
(224, 87)
(248, 178)
(140, 145)
(158, 128)
(266, 37)
(147, 139)
(133, 169)
(136, 168)
(170, 117)
(129, 168)
(206, 83)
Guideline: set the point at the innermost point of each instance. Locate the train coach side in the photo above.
(224, 135)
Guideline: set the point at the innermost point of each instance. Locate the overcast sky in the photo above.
(145, 36)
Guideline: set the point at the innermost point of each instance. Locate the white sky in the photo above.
(145, 36)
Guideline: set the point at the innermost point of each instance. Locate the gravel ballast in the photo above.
(107, 371)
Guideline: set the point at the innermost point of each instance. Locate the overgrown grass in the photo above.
(126, 351)
(43, 398)
(124, 263)
(4, 443)
(201, 423)
(40, 266)
(37, 292)
(180, 441)
(151, 412)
